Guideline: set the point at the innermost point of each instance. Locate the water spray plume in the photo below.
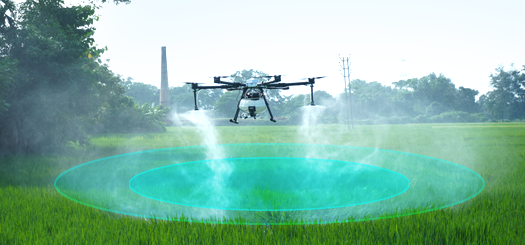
(201, 121)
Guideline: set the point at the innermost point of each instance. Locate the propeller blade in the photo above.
(311, 78)
(220, 76)
(270, 76)
(224, 82)
(277, 78)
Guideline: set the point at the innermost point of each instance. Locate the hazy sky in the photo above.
(464, 40)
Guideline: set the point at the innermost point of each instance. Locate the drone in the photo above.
(253, 101)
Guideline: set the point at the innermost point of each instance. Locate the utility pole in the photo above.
(345, 71)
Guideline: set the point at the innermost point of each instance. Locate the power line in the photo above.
(345, 71)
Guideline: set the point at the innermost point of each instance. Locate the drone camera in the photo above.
(251, 109)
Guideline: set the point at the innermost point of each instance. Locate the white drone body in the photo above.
(252, 108)
(253, 103)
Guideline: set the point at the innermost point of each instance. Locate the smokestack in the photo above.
(164, 87)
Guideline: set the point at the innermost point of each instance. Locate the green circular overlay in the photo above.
(269, 184)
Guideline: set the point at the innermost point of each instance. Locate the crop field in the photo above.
(32, 211)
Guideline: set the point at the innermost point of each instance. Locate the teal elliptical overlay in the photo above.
(266, 183)
(269, 184)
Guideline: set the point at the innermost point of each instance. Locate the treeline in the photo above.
(429, 99)
(54, 89)
(432, 98)
(435, 98)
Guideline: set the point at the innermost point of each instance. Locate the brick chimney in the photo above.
(164, 87)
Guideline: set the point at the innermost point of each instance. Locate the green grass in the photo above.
(32, 212)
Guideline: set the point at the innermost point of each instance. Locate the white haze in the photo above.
(208, 134)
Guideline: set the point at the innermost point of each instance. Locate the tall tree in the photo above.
(371, 99)
(53, 80)
(141, 92)
(466, 100)
(181, 99)
(7, 18)
(7, 66)
(7, 72)
(57, 88)
(507, 100)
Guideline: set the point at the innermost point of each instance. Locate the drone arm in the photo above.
(215, 87)
(282, 88)
(279, 85)
(285, 86)
(228, 83)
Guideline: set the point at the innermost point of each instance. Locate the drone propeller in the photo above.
(220, 77)
(277, 78)
(312, 78)
(270, 76)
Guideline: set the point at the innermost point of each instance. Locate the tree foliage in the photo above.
(507, 100)
(226, 105)
(141, 92)
(7, 72)
(182, 98)
(49, 97)
(54, 89)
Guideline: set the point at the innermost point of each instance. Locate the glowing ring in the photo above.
(435, 184)
(310, 184)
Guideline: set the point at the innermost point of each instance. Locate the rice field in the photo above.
(33, 212)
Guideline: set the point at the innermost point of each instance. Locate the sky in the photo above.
(385, 40)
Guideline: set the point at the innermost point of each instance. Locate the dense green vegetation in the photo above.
(31, 211)
(54, 89)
